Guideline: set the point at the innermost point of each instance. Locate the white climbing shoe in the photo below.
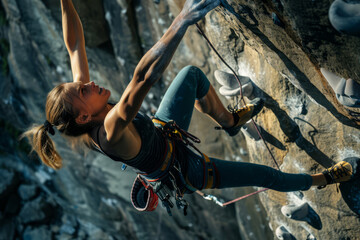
(230, 86)
(283, 234)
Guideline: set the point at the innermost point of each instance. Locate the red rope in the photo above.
(245, 196)
(241, 99)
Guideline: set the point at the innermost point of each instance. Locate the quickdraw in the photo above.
(164, 183)
(174, 132)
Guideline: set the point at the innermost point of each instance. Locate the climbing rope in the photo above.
(210, 197)
(241, 94)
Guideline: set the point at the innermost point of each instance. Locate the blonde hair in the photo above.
(61, 114)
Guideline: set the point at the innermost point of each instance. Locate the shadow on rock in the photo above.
(302, 80)
(292, 131)
(310, 133)
(313, 219)
(304, 213)
(350, 190)
(271, 139)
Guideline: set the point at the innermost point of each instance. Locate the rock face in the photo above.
(303, 124)
(279, 45)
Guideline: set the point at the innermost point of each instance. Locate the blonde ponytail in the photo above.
(61, 115)
(44, 146)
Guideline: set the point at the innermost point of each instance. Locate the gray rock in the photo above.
(229, 80)
(310, 237)
(32, 233)
(67, 229)
(283, 65)
(230, 85)
(249, 130)
(82, 234)
(93, 17)
(344, 16)
(125, 43)
(13, 204)
(55, 229)
(94, 232)
(36, 211)
(283, 234)
(69, 225)
(347, 91)
(19, 226)
(27, 192)
(64, 236)
(7, 229)
(8, 182)
(300, 106)
(296, 212)
(229, 92)
(303, 212)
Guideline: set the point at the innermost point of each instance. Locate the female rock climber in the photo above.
(157, 148)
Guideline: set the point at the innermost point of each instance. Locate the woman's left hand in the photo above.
(194, 10)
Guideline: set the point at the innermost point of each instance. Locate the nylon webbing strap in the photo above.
(209, 172)
(157, 121)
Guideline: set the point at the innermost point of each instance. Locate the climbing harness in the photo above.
(165, 187)
(167, 182)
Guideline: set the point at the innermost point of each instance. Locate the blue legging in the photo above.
(178, 103)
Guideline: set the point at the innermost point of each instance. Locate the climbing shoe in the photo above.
(340, 172)
(244, 114)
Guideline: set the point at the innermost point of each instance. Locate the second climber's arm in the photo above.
(74, 39)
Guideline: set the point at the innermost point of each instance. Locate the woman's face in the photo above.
(91, 99)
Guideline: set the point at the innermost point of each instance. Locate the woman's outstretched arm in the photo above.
(75, 42)
(152, 65)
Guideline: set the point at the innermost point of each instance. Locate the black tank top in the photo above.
(152, 149)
